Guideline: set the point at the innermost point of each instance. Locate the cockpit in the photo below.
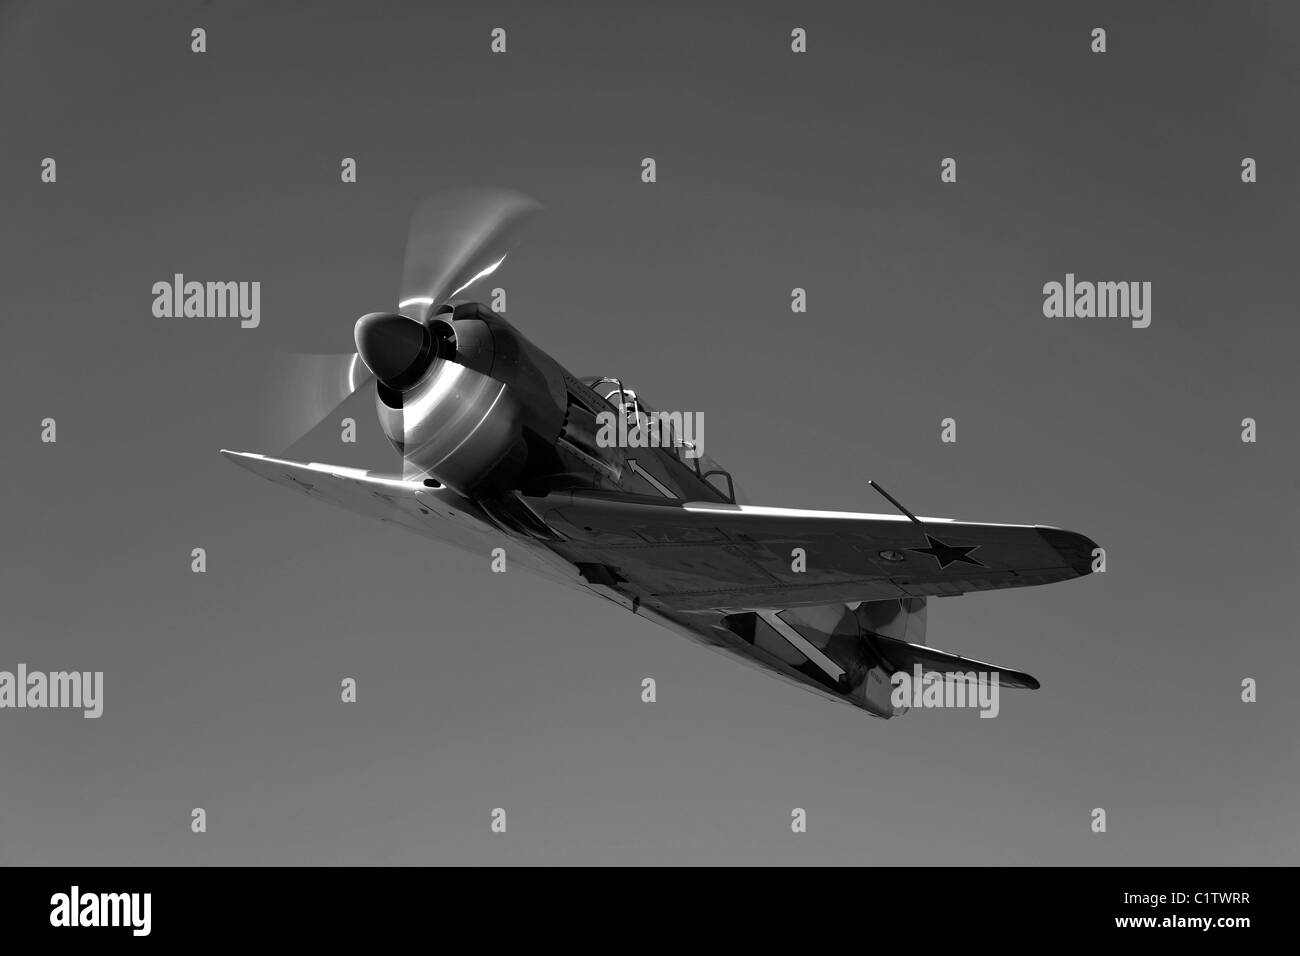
(672, 431)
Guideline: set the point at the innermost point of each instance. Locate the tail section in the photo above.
(857, 651)
(900, 620)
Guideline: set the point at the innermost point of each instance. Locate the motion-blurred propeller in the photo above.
(302, 389)
(454, 240)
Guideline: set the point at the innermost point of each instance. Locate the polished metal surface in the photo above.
(455, 425)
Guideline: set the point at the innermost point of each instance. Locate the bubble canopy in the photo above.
(637, 410)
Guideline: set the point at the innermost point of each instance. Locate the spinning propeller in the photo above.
(454, 241)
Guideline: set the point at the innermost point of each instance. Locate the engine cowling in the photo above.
(463, 396)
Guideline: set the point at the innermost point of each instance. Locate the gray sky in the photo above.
(775, 170)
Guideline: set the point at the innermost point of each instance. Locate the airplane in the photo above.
(501, 447)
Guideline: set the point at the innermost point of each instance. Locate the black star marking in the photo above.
(946, 554)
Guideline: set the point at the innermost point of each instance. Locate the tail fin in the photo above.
(901, 619)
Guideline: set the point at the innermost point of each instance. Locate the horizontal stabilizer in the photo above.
(903, 656)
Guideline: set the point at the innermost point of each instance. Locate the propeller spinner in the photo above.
(397, 350)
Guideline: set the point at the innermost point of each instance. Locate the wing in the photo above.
(424, 507)
(696, 556)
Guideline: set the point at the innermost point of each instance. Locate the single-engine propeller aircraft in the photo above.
(500, 446)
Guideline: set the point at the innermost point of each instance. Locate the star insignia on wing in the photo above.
(947, 554)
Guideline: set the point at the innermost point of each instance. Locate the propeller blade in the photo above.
(410, 472)
(455, 240)
(303, 389)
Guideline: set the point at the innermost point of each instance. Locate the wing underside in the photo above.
(422, 506)
(699, 556)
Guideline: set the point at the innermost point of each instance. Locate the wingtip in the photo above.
(244, 459)
(1076, 549)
